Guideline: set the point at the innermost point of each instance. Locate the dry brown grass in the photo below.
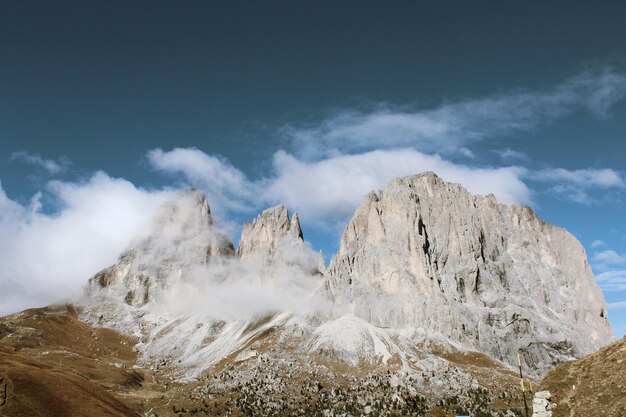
(37, 389)
(48, 364)
(599, 380)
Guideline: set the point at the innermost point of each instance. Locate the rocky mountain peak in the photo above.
(181, 235)
(186, 213)
(422, 263)
(268, 230)
(426, 254)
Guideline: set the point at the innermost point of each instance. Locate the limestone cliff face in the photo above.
(182, 235)
(274, 241)
(190, 301)
(268, 231)
(422, 262)
(426, 255)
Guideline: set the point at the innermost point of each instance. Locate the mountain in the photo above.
(427, 255)
(190, 298)
(181, 236)
(423, 309)
(268, 231)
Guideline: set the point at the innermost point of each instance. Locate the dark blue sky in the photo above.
(90, 80)
(99, 84)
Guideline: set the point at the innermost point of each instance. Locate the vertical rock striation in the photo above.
(181, 236)
(421, 262)
(427, 255)
(268, 232)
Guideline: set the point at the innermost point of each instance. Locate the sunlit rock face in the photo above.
(274, 244)
(190, 299)
(422, 265)
(181, 236)
(268, 232)
(426, 255)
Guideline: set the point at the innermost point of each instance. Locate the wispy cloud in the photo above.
(49, 165)
(324, 173)
(329, 190)
(46, 257)
(228, 186)
(578, 185)
(333, 187)
(620, 305)
(602, 178)
(508, 155)
(609, 257)
(611, 281)
(453, 125)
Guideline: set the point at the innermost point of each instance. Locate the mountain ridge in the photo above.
(470, 257)
(421, 261)
(413, 313)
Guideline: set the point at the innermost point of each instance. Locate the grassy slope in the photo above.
(599, 380)
(50, 362)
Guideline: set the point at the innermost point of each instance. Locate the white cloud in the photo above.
(49, 165)
(328, 190)
(620, 305)
(243, 289)
(46, 257)
(227, 186)
(467, 153)
(508, 154)
(577, 185)
(586, 178)
(453, 125)
(609, 257)
(612, 280)
(597, 243)
(334, 187)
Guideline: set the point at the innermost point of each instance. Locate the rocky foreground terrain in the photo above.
(422, 311)
(53, 364)
(592, 386)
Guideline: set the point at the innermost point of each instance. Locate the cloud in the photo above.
(227, 186)
(46, 257)
(508, 155)
(334, 187)
(577, 185)
(620, 305)
(466, 153)
(451, 126)
(49, 165)
(240, 289)
(327, 190)
(609, 257)
(612, 281)
(587, 178)
(597, 243)
(324, 172)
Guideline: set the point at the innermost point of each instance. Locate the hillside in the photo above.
(592, 386)
(53, 365)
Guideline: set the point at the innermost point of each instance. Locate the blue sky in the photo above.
(106, 107)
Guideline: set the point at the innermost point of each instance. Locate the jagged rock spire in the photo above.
(422, 261)
(182, 234)
(267, 231)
